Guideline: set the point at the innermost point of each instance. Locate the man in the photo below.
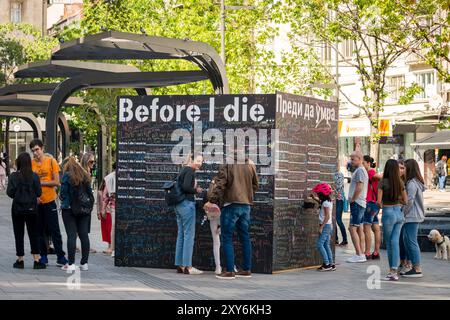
(47, 169)
(441, 170)
(236, 185)
(357, 199)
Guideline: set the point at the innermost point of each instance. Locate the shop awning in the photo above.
(437, 140)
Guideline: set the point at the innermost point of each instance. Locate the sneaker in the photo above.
(39, 265)
(413, 274)
(325, 267)
(357, 259)
(113, 254)
(333, 267)
(402, 270)
(44, 260)
(192, 271)
(391, 277)
(321, 267)
(368, 256)
(226, 275)
(375, 256)
(18, 264)
(343, 243)
(180, 269)
(61, 261)
(243, 274)
(218, 270)
(68, 267)
(84, 267)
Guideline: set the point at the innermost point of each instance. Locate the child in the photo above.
(323, 191)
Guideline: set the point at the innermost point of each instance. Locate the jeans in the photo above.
(185, 212)
(339, 210)
(19, 221)
(411, 243)
(77, 225)
(48, 218)
(323, 244)
(356, 214)
(371, 213)
(392, 220)
(403, 253)
(236, 216)
(442, 182)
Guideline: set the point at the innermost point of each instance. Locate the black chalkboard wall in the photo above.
(300, 132)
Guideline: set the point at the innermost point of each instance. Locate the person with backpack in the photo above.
(24, 188)
(370, 219)
(186, 213)
(77, 202)
(47, 169)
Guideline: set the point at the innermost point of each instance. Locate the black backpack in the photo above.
(25, 199)
(173, 192)
(82, 201)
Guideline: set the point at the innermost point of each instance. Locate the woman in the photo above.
(185, 212)
(414, 213)
(391, 196)
(370, 220)
(340, 197)
(73, 181)
(108, 210)
(24, 188)
(2, 175)
(405, 264)
(87, 163)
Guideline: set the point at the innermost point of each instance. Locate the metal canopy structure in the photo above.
(29, 118)
(115, 45)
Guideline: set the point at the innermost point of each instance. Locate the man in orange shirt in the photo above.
(48, 171)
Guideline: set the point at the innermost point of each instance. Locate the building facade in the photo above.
(33, 12)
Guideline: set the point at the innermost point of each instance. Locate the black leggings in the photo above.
(77, 226)
(19, 221)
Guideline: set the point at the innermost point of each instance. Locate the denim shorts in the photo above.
(356, 214)
(371, 213)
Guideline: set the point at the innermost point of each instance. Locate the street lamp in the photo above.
(223, 7)
(16, 130)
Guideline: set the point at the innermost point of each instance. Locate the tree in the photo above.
(373, 28)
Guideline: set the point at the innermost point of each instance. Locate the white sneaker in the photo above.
(357, 259)
(193, 271)
(68, 267)
(218, 270)
(84, 267)
(391, 277)
(404, 270)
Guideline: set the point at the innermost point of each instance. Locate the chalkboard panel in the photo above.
(299, 150)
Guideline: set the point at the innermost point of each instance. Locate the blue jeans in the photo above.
(236, 216)
(442, 182)
(339, 210)
(185, 212)
(392, 220)
(403, 253)
(323, 244)
(410, 231)
(371, 213)
(356, 214)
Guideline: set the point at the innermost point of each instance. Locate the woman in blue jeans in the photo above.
(340, 197)
(414, 214)
(185, 213)
(391, 196)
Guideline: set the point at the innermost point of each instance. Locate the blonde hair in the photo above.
(77, 174)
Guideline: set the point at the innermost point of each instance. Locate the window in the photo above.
(394, 85)
(427, 81)
(326, 53)
(16, 12)
(347, 49)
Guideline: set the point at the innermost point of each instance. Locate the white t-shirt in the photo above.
(326, 204)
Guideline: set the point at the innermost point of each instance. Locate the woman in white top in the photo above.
(323, 191)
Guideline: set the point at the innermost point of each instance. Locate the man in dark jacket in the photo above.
(236, 185)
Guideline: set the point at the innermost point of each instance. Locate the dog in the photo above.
(442, 244)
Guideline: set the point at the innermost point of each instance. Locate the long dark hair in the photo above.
(392, 174)
(413, 171)
(23, 164)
